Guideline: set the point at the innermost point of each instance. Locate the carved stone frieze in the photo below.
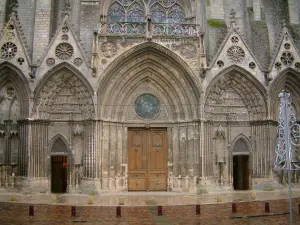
(109, 49)
(226, 104)
(63, 97)
(50, 62)
(78, 62)
(188, 51)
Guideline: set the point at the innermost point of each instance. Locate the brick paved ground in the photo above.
(213, 214)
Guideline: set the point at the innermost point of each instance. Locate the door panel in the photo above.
(137, 167)
(157, 161)
(147, 160)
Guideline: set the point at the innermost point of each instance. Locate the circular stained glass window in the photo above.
(147, 106)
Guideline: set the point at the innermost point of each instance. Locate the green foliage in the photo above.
(12, 198)
(216, 23)
(259, 25)
(207, 2)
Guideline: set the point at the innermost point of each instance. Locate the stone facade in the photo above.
(71, 73)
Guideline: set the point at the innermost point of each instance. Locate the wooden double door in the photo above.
(147, 160)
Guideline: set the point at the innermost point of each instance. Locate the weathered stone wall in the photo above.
(90, 17)
(41, 29)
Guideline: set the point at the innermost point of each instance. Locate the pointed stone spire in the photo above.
(232, 19)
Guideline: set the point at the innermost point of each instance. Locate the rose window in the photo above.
(236, 54)
(287, 58)
(147, 106)
(8, 50)
(64, 51)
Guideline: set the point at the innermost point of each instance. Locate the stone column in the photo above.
(38, 152)
(7, 156)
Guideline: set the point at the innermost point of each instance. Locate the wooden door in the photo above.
(59, 167)
(147, 160)
(241, 172)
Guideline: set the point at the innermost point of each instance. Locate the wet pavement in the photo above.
(143, 208)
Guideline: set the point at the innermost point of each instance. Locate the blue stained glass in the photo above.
(116, 13)
(158, 13)
(176, 14)
(136, 13)
(147, 106)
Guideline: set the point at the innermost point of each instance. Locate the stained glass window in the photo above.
(158, 13)
(135, 13)
(126, 10)
(147, 106)
(163, 11)
(176, 14)
(116, 12)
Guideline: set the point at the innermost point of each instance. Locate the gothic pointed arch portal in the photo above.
(148, 95)
(59, 165)
(142, 72)
(241, 179)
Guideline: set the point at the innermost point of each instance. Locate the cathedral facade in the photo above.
(144, 95)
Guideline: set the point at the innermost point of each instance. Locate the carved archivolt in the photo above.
(64, 96)
(169, 79)
(234, 97)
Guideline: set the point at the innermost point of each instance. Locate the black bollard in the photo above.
(73, 211)
(234, 207)
(267, 207)
(31, 210)
(198, 209)
(118, 211)
(159, 211)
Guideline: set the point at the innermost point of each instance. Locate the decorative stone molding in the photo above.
(220, 132)
(188, 51)
(236, 54)
(64, 37)
(8, 50)
(64, 51)
(77, 130)
(287, 58)
(109, 49)
(78, 62)
(50, 62)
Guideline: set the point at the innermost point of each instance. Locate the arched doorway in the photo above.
(241, 166)
(59, 167)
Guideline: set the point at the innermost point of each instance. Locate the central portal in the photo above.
(147, 159)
